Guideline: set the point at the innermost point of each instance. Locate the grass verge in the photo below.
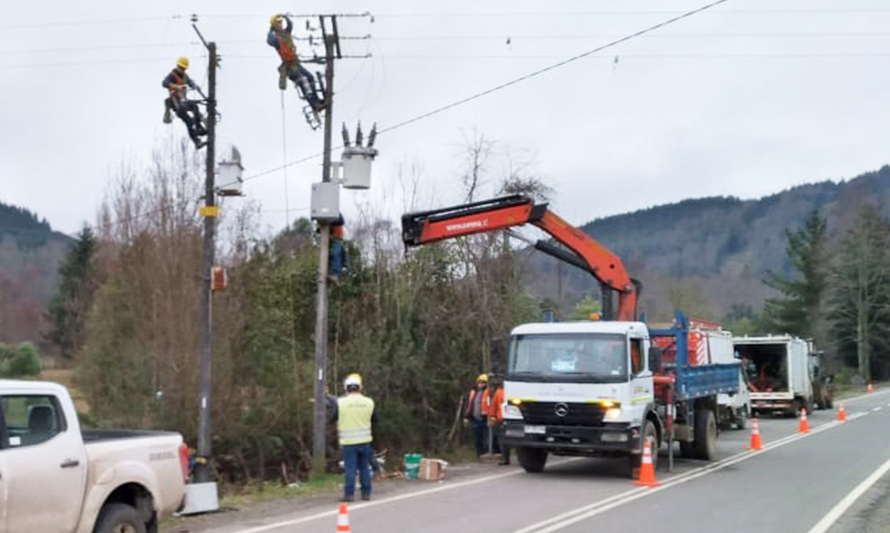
(251, 495)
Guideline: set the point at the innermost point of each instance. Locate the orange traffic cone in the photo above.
(870, 389)
(841, 413)
(343, 520)
(647, 472)
(755, 436)
(803, 427)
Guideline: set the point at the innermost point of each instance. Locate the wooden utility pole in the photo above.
(319, 422)
(202, 470)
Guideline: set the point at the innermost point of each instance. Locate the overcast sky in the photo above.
(746, 99)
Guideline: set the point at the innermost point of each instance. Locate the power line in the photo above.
(90, 22)
(498, 37)
(514, 37)
(621, 12)
(554, 66)
(511, 82)
(98, 48)
(85, 63)
(461, 57)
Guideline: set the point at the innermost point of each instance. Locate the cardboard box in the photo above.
(432, 469)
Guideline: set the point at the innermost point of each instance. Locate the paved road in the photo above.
(789, 487)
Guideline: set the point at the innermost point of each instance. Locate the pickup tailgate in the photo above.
(150, 458)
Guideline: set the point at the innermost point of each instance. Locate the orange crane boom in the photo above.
(512, 211)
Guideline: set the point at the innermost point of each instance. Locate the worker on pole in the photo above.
(354, 413)
(281, 38)
(177, 84)
(476, 412)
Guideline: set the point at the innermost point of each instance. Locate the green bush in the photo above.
(23, 361)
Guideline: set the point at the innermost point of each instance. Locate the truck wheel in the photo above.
(820, 400)
(829, 400)
(532, 459)
(705, 444)
(636, 459)
(119, 518)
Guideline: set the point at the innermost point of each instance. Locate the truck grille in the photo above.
(562, 413)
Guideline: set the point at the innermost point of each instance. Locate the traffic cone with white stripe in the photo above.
(343, 520)
(870, 389)
(841, 413)
(647, 471)
(803, 427)
(755, 445)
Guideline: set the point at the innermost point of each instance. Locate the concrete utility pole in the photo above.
(202, 470)
(319, 422)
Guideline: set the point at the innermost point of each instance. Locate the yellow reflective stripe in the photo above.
(640, 399)
(355, 433)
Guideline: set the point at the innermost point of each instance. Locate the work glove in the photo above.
(466, 422)
(492, 421)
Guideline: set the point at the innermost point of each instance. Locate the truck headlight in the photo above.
(613, 413)
(512, 411)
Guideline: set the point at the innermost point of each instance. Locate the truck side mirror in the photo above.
(654, 359)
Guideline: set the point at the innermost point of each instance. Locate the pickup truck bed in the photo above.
(57, 478)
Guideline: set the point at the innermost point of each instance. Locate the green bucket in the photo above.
(412, 465)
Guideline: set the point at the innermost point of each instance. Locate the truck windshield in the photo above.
(582, 357)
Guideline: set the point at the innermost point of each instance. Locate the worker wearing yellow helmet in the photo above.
(354, 414)
(177, 84)
(476, 412)
(281, 38)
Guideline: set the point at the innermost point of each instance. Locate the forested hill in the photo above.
(716, 250)
(30, 252)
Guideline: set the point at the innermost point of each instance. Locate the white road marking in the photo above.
(375, 503)
(571, 517)
(876, 409)
(838, 510)
(589, 510)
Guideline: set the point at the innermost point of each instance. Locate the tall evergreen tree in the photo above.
(68, 308)
(800, 308)
(860, 305)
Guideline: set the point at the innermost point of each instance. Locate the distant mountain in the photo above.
(30, 252)
(715, 251)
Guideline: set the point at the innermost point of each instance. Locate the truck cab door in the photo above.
(642, 386)
(44, 465)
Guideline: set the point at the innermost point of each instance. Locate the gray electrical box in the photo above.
(325, 201)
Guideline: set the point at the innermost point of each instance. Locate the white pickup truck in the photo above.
(55, 478)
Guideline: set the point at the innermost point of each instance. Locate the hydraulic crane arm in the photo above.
(511, 211)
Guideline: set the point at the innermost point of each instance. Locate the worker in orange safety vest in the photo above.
(496, 419)
(476, 412)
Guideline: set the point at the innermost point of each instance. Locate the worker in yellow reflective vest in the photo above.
(354, 414)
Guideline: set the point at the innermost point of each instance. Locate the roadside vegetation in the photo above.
(417, 326)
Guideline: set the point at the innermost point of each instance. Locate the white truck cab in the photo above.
(577, 388)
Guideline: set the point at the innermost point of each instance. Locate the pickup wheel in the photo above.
(705, 445)
(532, 459)
(119, 518)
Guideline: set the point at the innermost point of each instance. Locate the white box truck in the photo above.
(778, 370)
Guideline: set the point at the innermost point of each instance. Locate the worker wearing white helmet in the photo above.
(354, 414)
